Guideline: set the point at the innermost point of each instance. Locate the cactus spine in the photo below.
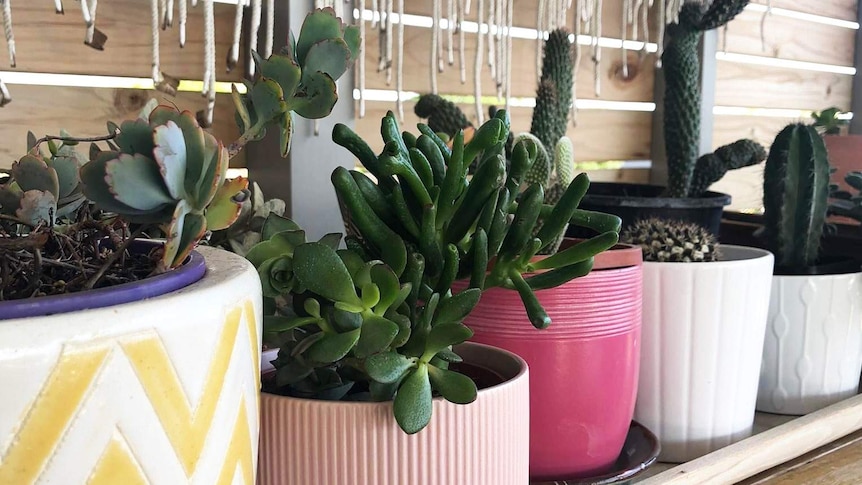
(682, 87)
(666, 241)
(795, 195)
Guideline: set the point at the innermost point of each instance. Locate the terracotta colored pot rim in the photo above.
(192, 270)
(507, 364)
(620, 256)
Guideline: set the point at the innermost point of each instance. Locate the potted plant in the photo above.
(686, 196)
(812, 355)
(104, 385)
(379, 321)
(703, 329)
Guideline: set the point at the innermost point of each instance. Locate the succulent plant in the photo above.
(165, 169)
(245, 232)
(795, 195)
(43, 188)
(682, 97)
(443, 115)
(554, 94)
(710, 168)
(665, 241)
(828, 121)
(844, 203)
(378, 320)
(300, 79)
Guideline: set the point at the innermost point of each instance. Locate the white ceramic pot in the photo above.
(702, 336)
(487, 442)
(161, 391)
(812, 355)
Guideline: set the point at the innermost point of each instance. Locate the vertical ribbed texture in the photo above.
(584, 367)
(309, 442)
(703, 334)
(812, 356)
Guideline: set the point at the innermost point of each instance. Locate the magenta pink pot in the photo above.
(583, 368)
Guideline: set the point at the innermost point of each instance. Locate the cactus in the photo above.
(666, 241)
(795, 195)
(383, 312)
(554, 95)
(828, 122)
(443, 115)
(712, 166)
(682, 96)
(167, 170)
(300, 79)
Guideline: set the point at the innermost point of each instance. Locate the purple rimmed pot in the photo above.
(584, 367)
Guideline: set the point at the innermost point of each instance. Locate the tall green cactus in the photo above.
(554, 95)
(795, 195)
(682, 87)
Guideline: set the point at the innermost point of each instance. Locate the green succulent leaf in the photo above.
(318, 25)
(331, 56)
(282, 244)
(387, 367)
(241, 109)
(226, 204)
(136, 136)
(135, 181)
(377, 334)
(170, 154)
(36, 206)
(190, 229)
(454, 308)
(390, 289)
(276, 276)
(268, 99)
(454, 387)
(280, 323)
(286, 132)
(67, 167)
(95, 187)
(344, 321)
(274, 224)
(284, 71)
(353, 40)
(352, 260)
(315, 97)
(404, 328)
(291, 373)
(32, 173)
(447, 355)
(333, 346)
(370, 295)
(413, 404)
(319, 269)
(333, 240)
(444, 335)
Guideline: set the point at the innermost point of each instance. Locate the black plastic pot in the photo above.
(633, 202)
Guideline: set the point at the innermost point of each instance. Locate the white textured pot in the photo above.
(812, 355)
(161, 391)
(487, 442)
(702, 336)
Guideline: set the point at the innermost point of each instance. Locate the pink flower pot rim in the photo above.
(470, 347)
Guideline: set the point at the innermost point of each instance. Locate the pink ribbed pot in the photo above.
(311, 442)
(584, 367)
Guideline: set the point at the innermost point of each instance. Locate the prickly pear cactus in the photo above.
(795, 195)
(712, 166)
(443, 115)
(666, 241)
(682, 97)
(167, 170)
(300, 79)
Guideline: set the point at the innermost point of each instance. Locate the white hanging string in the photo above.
(477, 65)
(255, 29)
(210, 76)
(169, 14)
(194, 3)
(154, 30)
(388, 41)
(435, 33)
(627, 16)
(508, 71)
(579, 6)
(233, 56)
(184, 16)
(399, 80)
(162, 12)
(462, 67)
(450, 32)
(362, 59)
(7, 30)
(5, 95)
(501, 47)
(492, 47)
(90, 12)
(766, 14)
(540, 38)
(597, 51)
(374, 8)
(440, 48)
(270, 28)
(58, 6)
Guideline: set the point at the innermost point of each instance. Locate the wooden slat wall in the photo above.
(760, 86)
(600, 134)
(51, 43)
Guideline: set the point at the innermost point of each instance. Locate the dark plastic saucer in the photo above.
(640, 450)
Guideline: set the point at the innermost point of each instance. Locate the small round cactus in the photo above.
(672, 241)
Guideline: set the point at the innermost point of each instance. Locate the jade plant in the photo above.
(378, 319)
(160, 172)
(688, 175)
(795, 195)
(667, 241)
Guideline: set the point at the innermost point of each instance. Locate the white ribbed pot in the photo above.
(306, 442)
(702, 333)
(162, 390)
(812, 355)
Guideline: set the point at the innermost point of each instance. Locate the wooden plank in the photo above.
(765, 450)
(788, 38)
(638, 86)
(762, 129)
(766, 87)
(745, 186)
(838, 463)
(47, 42)
(600, 134)
(84, 111)
(836, 9)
